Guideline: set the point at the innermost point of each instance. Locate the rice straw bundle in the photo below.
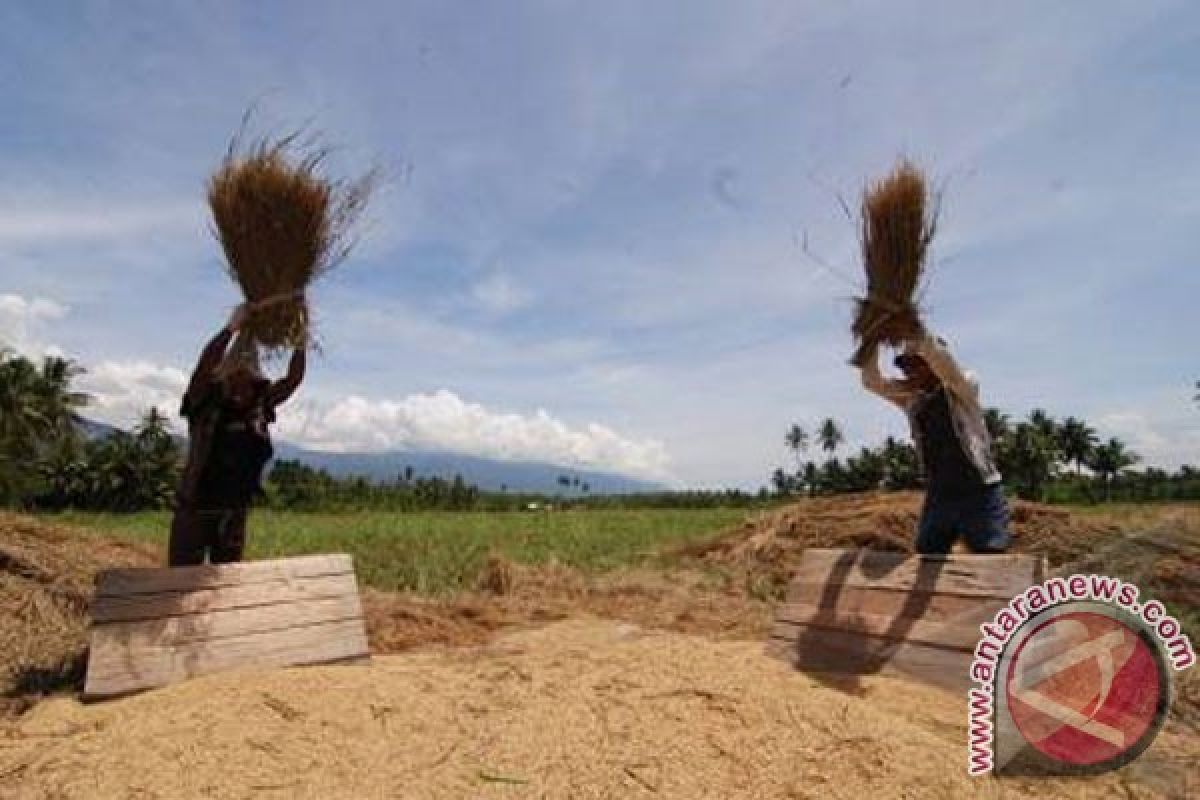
(282, 224)
(897, 228)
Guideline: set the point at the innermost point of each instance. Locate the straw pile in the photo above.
(897, 227)
(282, 223)
(46, 576)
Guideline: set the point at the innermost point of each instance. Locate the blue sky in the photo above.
(588, 248)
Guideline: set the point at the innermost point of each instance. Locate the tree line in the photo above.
(47, 462)
(1040, 457)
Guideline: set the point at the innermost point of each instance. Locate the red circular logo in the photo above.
(1086, 689)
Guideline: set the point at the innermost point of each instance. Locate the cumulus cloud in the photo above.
(1163, 440)
(122, 391)
(444, 421)
(22, 322)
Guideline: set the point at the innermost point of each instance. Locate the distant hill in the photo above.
(91, 429)
(486, 473)
(490, 474)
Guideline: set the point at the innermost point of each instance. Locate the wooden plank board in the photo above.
(1000, 576)
(929, 606)
(135, 580)
(847, 654)
(153, 627)
(148, 668)
(958, 636)
(178, 603)
(861, 611)
(143, 635)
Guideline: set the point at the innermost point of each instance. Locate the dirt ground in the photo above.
(547, 683)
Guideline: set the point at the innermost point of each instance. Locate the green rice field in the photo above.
(438, 552)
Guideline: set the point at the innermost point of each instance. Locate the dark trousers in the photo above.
(981, 517)
(221, 535)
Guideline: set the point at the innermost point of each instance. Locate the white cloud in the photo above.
(1166, 440)
(443, 421)
(122, 391)
(22, 225)
(22, 322)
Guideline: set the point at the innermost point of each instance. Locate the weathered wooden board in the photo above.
(859, 612)
(153, 627)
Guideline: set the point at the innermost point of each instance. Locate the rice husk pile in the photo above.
(769, 545)
(688, 601)
(282, 224)
(581, 709)
(897, 228)
(46, 584)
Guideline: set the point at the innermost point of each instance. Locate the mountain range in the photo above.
(490, 474)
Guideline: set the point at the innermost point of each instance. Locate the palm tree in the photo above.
(61, 405)
(1043, 423)
(781, 481)
(1076, 441)
(1108, 460)
(797, 441)
(23, 419)
(830, 435)
(997, 423)
(812, 476)
(901, 467)
(1028, 457)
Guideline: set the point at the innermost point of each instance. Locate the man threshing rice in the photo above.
(229, 406)
(964, 495)
(281, 225)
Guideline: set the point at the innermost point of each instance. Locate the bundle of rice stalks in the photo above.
(282, 224)
(897, 227)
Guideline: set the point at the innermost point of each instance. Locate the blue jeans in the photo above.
(981, 517)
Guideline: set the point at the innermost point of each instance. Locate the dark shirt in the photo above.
(948, 471)
(241, 448)
(228, 449)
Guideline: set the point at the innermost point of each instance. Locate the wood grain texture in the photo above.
(153, 627)
(791, 619)
(134, 580)
(929, 606)
(146, 635)
(856, 612)
(846, 654)
(122, 671)
(1001, 576)
(182, 602)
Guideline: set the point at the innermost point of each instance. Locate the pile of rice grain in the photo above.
(583, 709)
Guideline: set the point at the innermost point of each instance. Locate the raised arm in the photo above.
(283, 388)
(873, 381)
(212, 355)
(943, 364)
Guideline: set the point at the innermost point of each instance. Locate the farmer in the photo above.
(963, 493)
(228, 405)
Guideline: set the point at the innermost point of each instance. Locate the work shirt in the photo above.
(228, 448)
(966, 426)
(948, 471)
(240, 448)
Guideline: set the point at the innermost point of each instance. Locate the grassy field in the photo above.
(436, 552)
